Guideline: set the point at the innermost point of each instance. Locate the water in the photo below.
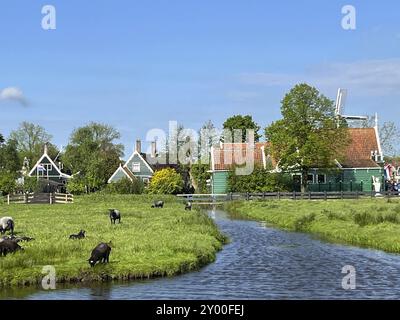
(259, 263)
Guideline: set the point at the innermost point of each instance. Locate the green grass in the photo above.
(372, 223)
(148, 242)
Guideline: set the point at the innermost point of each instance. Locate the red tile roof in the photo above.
(228, 154)
(357, 153)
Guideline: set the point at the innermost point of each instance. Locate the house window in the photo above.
(310, 178)
(136, 167)
(321, 178)
(146, 181)
(48, 167)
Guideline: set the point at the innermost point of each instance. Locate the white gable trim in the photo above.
(116, 171)
(51, 162)
(140, 156)
(264, 160)
(212, 158)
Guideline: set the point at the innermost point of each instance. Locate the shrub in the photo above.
(7, 183)
(125, 186)
(166, 181)
(260, 180)
(76, 186)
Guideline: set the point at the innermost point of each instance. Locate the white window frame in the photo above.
(313, 178)
(324, 175)
(135, 166)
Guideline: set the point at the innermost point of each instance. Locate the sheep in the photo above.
(158, 204)
(80, 235)
(115, 215)
(6, 223)
(9, 246)
(100, 254)
(188, 206)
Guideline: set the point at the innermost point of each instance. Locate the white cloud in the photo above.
(369, 77)
(13, 94)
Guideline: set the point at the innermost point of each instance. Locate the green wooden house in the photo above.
(46, 170)
(137, 166)
(362, 161)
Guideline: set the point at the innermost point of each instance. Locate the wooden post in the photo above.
(8, 199)
(294, 195)
(341, 194)
(26, 198)
(51, 198)
(309, 195)
(247, 196)
(279, 195)
(326, 195)
(66, 198)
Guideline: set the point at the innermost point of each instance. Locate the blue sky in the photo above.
(138, 64)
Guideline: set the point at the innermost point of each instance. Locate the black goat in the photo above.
(100, 254)
(158, 204)
(115, 215)
(188, 206)
(9, 246)
(80, 235)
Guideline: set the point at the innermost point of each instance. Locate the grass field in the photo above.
(372, 223)
(148, 242)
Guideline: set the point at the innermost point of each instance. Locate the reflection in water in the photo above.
(260, 263)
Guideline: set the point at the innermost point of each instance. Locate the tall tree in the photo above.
(10, 165)
(243, 123)
(308, 135)
(93, 153)
(31, 139)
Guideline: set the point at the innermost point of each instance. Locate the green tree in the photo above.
(166, 181)
(31, 139)
(93, 153)
(10, 165)
(200, 174)
(243, 123)
(308, 136)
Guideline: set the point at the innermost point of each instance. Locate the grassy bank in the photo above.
(148, 242)
(366, 223)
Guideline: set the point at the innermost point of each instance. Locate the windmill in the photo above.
(340, 104)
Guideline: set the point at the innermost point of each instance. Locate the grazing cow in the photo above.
(188, 206)
(80, 235)
(6, 223)
(9, 246)
(115, 215)
(158, 204)
(100, 254)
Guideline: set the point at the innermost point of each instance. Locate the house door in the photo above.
(297, 182)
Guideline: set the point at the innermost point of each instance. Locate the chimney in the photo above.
(153, 149)
(138, 146)
(45, 148)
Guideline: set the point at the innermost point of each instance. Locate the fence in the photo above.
(325, 195)
(335, 186)
(40, 198)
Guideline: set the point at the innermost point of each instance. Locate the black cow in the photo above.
(115, 215)
(100, 254)
(158, 204)
(8, 246)
(80, 235)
